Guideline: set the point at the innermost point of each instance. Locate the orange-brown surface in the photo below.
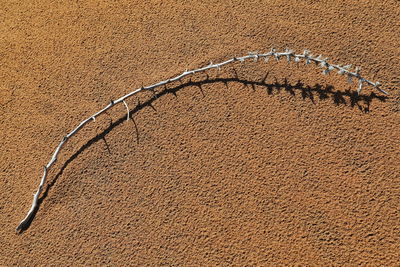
(296, 170)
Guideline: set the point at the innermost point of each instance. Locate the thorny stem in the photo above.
(328, 67)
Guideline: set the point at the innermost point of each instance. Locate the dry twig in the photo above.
(289, 54)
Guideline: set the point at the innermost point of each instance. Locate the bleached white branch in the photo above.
(289, 54)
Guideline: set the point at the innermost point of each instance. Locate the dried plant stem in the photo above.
(343, 70)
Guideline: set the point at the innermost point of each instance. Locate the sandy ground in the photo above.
(297, 170)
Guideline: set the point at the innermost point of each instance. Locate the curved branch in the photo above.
(323, 63)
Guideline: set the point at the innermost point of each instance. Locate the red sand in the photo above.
(226, 174)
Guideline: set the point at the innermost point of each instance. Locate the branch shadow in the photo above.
(346, 98)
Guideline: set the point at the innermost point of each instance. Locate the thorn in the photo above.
(318, 58)
(306, 55)
(328, 69)
(324, 64)
(358, 70)
(256, 58)
(290, 54)
(273, 53)
(360, 85)
(127, 108)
